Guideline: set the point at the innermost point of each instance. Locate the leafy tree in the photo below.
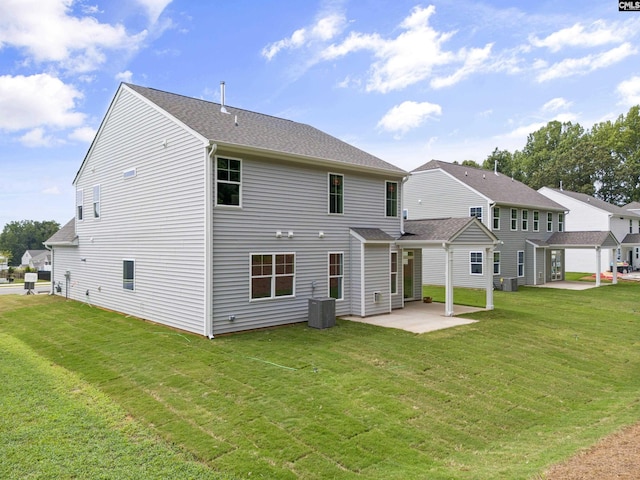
(471, 163)
(16, 237)
(500, 160)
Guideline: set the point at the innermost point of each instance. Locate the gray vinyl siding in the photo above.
(154, 218)
(434, 194)
(377, 276)
(355, 276)
(285, 196)
(433, 267)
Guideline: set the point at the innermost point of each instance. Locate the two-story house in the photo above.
(530, 226)
(589, 213)
(38, 259)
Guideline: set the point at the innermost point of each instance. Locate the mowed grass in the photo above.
(545, 374)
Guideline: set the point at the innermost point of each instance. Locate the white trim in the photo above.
(518, 264)
(362, 281)
(134, 274)
(215, 173)
(535, 228)
(130, 173)
(80, 195)
(93, 203)
(341, 276)
(494, 218)
(476, 263)
(273, 276)
(493, 263)
(549, 222)
(511, 219)
(329, 174)
(481, 212)
(386, 183)
(208, 240)
(396, 273)
(524, 227)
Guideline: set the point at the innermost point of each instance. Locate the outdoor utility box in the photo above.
(322, 312)
(510, 284)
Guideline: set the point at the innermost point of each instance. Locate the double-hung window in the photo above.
(561, 222)
(496, 263)
(128, 274)
(79, 204)
(475, 261)
(96, 201)
(272, 275)
(496, 218)
(394, 273)
(336, 193)
(476, 212)
(521, 263)
(336, 275)
(549, 222)
(630, 226)
(228, 181)
(514, 219)
(525, 220)
(536, 221)
(391, 199)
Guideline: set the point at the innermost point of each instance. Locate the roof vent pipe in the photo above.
(495, 167)
(222, 109)
(560, 185)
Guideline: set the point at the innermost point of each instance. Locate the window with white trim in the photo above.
(476, 212)
(79, 204)
(630, 226)
(336, 193)
(128, 274)
(96, 201)
(525, 220)
(228, 181)
(496, 218)
(514, 219)
(272, 275)
(536, 221)
(394, 273)
(391, 199)
(496, 263)
(475, 263)
(336, 275)
(561, 222)
(521, 263)
(549, 222)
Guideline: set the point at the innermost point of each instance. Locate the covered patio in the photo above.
(449, 234)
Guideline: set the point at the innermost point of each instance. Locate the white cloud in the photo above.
(125, 76)
(37, 138)
(556, 104)
(323, 30)
(597, 34)
(47, 32)
(83, 134)
(154, 8)
(51, 191)
(412, 56)
(37, 100)
(408, 115)
(629, 91)
(581, 66)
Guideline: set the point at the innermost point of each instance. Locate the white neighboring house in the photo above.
(38, 259)
(4, 263)
(587, 213)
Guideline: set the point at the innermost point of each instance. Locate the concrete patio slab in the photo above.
(565, 285)
(419, 317)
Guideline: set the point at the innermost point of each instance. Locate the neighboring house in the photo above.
(4, 263)
(590, 213)
(213, 219)
(530, 226)
(38, 259)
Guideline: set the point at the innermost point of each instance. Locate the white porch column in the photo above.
(488, 268)
(448, 282)
(598, 266)
(614, 266)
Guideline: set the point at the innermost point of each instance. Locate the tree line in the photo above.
(18, 237)
(603, 161)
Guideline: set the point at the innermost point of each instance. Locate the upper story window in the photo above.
(514, 219)
(496, 218)
(392, 199)
(96, 201)
(476, 212)
(536, 221)
(630, 226)
(79, 203)
(549, 222)
(336, 193)
(561, 222)
(336, 275)
(525, 220)
(228, 181)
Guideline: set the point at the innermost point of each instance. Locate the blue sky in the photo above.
(403, 80)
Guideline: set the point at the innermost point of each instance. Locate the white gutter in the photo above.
(208, 239)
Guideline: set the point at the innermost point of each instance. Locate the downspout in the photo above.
(208, 238)
(52, 290)
(404, 180)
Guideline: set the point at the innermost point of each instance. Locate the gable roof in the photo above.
(35, 253)
(65, 236)
(595, 202)
(261, 132)
(497, 187)
(631, 239)
(442, 230)
(583, 239)
(632, 206)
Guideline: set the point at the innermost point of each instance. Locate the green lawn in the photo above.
(545, 374)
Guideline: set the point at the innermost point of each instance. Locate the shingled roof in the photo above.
(596, 202)
(583, 239)
(65, 236)
(258, 131)
(438, 230)
(498, 188)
